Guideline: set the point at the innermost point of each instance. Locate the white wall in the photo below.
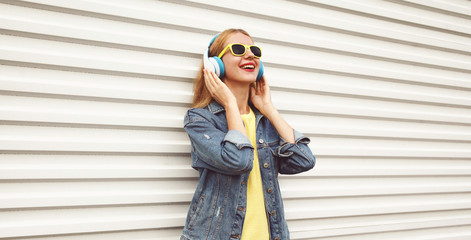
(92, 96)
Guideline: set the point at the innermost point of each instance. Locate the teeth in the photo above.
(248, 67)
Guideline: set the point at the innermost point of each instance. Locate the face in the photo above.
(237, 68)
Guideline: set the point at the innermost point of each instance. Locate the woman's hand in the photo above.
(261, 98)
(223, 95)
(220, 92)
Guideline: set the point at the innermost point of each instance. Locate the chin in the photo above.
(249, 80)
(251, 77)
(242, 78)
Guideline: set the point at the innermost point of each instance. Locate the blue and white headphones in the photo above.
(216, 65)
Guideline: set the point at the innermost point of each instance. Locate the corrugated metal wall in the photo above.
(92, 96)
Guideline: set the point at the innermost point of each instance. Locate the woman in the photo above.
(239, 144)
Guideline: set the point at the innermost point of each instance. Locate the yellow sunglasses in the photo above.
(238, 49)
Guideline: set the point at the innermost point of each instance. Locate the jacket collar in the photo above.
(214, 107)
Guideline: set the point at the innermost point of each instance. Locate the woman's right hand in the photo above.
(223, 95)
(219, 91)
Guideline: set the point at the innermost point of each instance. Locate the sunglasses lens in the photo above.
(238, 49)
(256, 51)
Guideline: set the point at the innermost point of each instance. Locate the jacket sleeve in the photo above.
(224, 152)
(297, 157)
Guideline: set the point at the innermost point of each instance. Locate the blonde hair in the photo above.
(201, 95)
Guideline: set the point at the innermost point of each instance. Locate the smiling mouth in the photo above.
(248, 66)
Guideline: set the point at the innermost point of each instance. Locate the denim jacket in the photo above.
(224, 160)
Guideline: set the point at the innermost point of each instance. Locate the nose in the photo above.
(249, 54)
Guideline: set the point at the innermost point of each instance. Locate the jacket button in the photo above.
(272, 213)
(241, 208)
(277, 238)
(243, 182)
(261, 140)
(269, 190)
(265, 165)
(237, 236)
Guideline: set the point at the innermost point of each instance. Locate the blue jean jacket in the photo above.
(224, 160)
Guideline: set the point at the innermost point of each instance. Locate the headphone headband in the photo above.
(212, 40)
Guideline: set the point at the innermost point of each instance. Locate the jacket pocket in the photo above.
(196, 210)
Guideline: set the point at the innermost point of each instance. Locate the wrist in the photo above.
(229, 103)
(231, 106)
(269, 111)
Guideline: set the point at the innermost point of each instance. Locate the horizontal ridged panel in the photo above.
(93, 94)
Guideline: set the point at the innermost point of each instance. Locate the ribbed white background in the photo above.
(93, 93)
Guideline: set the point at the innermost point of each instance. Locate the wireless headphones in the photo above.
(216, 65)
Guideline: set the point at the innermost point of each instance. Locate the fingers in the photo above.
(261, 85)
(211, 78)
(218, 89)
(207, 80)
(253, 92)
(211, 81)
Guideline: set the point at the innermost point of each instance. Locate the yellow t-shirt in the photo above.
(255, 223)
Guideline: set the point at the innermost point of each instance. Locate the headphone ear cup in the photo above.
(213, 64)
(207, 63)
(260, 71)
(218, 66)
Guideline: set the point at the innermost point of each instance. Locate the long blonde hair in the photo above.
(201, 95)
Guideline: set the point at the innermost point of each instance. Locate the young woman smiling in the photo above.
(239, 144)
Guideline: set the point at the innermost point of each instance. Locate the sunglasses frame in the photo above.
(229, 46)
